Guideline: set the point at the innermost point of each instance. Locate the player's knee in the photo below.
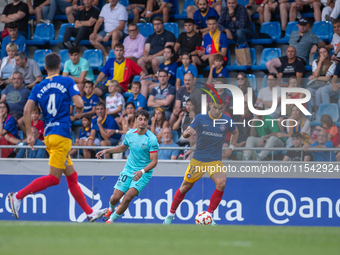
(185, 187)
(116, 35)
(136, 11)
(114, 200)
(69, 10)
(221, 185)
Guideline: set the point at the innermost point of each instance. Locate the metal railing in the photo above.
(272, 149)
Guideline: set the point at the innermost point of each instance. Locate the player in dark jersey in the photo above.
(54, 96)
(207, 156)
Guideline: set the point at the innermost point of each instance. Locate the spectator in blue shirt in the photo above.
(36, 153)
(13, 37)
(238, 22)
(137, 98)
(322, 142)
(104, 130)
(167, 142)
(184, 69)
(217, 71)
(201, 16)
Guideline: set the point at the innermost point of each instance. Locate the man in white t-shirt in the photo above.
(335, 44)
(115, 17)
(266, 95)
(115, 102)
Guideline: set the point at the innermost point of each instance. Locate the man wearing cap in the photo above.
(264, 132)
(305, 43)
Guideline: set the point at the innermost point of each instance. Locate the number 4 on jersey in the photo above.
(51, 109)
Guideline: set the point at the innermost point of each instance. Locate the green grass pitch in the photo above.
(49, 238)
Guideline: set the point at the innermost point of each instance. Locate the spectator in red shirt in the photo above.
(37, 122)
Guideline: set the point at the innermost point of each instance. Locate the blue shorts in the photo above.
(125, 182)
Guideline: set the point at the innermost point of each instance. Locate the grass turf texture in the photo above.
(73, 238)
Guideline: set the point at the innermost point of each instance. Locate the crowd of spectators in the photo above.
(167, 71)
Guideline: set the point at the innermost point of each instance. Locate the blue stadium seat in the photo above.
(126, 95)
(175, 136)
(235, 67)
(183, 15)
(21, 135)
(39, 56)
(146, 29)
(28, 32)
(64, 57)
(95, 58)
(267, 54)
(243, 2)
(124, 2)
(331, 109)
(61, 33)
(112, 54)
(73, 138)
(273, 29)
(172, 27)
(291, 26)
(309, 108)
(264, 82)
(136, 78)
(324, 30)
(44, 33)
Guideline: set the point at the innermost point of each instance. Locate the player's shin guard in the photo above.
(72, 182)
(38, 185)
(178, 198)
(215, 200)
(111, 207)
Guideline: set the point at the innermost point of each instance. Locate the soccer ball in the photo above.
(203, 218)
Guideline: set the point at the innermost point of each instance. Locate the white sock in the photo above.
(209, 214)
(172, 214)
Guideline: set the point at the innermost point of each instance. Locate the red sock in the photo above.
(72, 182)
(176, 201)
(215, 200)
(38, 185)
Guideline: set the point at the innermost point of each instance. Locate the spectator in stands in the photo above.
(35, 7)
(128, 118)
(185, 117)
(120, 69)
(329, 126)
(13, 37)
(275, 7)
(189, 41)
(7, 65)
(104, 131)
(90, 99)
(16, 12)
(115, 17)
(158, 122)
(78, 68)
(297, 155)
(137, 98)
(238, 22)
(201, 16)
(16, 96)
(189, 153)
(115, 101)
(265, 135)
(84, 132)
(335, 43)
(184, 69)
(168, 142)
(154, 47)
(305, 43)
(305, 6)
(213, 4)
(134, 43)
(323, 142)
(290, 66)
(56, 7)
(37, 122)
(83, 26)
(323, 69)
(293, 82)
(243, 130)
(183, 95)
(297, 122)
(154, 7)
(265, 95)
(8, 125)
(214, 42)
(162, 95)
(74, 10)
(217, 71)
(28, 68)
(329, 92)
(135, 8)
(254, 7)
(169, 64)
(331, 11)
(244, 84)
(30, 153)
